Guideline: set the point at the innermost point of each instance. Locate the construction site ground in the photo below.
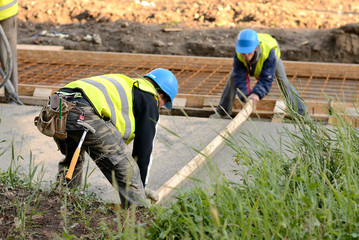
(178, 141)
(309, 31)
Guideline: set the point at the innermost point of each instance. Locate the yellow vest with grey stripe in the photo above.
(8, 8)
(111, 96)
(267, 43)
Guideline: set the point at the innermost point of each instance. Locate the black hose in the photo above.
(9, 64)
(9, 87)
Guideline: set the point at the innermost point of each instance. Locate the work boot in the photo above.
(77, 175)
(152, 194)
(11, 102)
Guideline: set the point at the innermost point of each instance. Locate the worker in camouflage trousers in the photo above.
(120, 109)
(257, 55)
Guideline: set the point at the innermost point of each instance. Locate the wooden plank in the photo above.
(266, 104)
(179, 102)
(72, 56)
(186, 111)
(28, 89)
(346, 112)
(172, 29)
(211, 101)
(35, 101)
(42, 92)
(193, 165)
(2, 91)
(203, 101)
(279, 111)
(194, 101)
(317, 107)
(29, 100)
(39, 47)
(322, 69)
(351, 120)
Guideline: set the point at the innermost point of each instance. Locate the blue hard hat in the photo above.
(247, 41)
(166, 81)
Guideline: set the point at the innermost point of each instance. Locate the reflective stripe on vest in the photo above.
(267, 43)
(111, 96)
(8, 8)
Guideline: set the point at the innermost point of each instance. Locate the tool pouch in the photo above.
(52, 118)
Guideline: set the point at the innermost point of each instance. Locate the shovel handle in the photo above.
(71, 170)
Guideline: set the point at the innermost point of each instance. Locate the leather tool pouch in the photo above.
(52, 118)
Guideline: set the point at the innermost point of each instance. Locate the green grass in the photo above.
(308, 189)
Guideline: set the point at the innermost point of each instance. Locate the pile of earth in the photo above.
(309, 30)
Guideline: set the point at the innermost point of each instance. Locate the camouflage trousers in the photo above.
(107, 148)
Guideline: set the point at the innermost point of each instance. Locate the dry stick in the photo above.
(209, 149)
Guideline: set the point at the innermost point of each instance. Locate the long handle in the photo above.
(60, 109)
(71, 170)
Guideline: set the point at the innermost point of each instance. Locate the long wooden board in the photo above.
(192, 165)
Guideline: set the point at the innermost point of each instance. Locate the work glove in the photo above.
(152, 194)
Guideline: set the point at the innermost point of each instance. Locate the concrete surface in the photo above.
(222, 162)
(176, 143)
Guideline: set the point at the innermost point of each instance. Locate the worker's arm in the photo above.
(241, 79)
(266, 77)
(146, 117)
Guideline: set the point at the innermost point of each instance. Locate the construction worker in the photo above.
(120, 109)
(8, 21)
(258, 55)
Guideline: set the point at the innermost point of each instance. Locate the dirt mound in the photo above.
(312, 30)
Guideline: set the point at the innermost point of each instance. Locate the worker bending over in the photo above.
(120, 109)
(258, 55)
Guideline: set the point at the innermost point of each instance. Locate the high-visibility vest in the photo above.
(267, 43)
(111, 96)
(8, 8)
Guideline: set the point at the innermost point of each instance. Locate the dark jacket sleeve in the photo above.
(240, 78)
(266, 77)
(146, 117)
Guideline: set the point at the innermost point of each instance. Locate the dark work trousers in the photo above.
(291, 95)
(107, 148)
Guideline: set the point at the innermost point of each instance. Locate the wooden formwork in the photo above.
(201, 79)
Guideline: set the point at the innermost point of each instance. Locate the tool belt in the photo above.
(53, 116)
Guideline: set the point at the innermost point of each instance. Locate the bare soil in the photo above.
(60, 214)
(308, 30)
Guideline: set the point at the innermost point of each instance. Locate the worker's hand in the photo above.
(255, 99)
(152, 194)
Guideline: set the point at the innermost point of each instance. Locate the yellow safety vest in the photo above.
(266, 43)
(8, 8)
(111, 96)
